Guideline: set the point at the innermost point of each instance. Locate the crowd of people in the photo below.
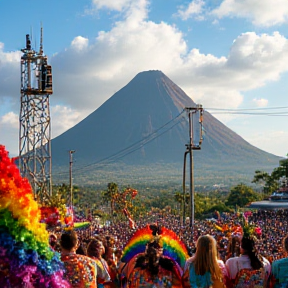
(232, 250)
(217, 254)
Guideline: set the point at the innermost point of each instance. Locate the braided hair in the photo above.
(248, 244)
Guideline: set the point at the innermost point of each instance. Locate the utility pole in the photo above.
(189, 150)
(71, 179)
(184, 187)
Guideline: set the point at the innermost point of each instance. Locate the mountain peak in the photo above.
(151, 74)
(145, 122)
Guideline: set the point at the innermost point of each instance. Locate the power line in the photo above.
(117, 156)
(155, 134)
(133, 147)
(251, 113)
(248, 109)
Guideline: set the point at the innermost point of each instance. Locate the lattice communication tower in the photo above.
(34, 120)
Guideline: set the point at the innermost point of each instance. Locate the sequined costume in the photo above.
(167, 276)
(81, 270)
(235, 264)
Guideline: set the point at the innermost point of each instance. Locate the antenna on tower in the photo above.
(41, 41)
(34, 119)
(31, 34)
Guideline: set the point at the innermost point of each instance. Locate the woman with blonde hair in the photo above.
(204, 269)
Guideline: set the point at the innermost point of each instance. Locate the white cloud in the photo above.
(118, 55)
(114, 58)
(9, 57)
(194, 9)
(83, 81)
(11, 119)
(9, 125)
(91, 70)
(9, 74)
(253, 61)
(258, 58)
(266, 140)
(262, 13)
(79, 43)
(221, 99)
(63, 118)
(260, 102)
(117, 5)
(136, 13)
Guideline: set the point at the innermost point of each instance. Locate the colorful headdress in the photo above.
(173, 247)
(249, 229)
(24, 248)
(233, 230)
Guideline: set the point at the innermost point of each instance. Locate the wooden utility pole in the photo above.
(189, 150)
(70, 178)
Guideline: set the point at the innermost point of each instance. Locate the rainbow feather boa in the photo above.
(25, 255)
(173, 247)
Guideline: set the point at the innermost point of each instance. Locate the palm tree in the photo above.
(178, 197)
(271, 181)
(265, 180)
(110, 195)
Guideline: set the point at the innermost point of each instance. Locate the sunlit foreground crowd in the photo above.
(94, 257)
(233, 250)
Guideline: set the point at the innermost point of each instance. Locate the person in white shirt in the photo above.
(249, 262)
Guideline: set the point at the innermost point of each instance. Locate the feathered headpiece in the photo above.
(250, 230)
(173, 247)
(24, 246)
(234, 230)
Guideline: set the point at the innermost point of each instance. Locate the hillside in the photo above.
(139, 134)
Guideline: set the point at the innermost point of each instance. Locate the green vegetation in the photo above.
(108, 201)
(273, 181)
(241, 195)
(161, 174)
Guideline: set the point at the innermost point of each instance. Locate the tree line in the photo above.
(115, 202)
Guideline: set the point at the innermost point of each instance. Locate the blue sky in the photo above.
(228, 55)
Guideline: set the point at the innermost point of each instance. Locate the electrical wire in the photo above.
(133, 147)
(251, 113)
(118, 156)
(245, 111)
(155, 134)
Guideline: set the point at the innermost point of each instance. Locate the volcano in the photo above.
(145, 124)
